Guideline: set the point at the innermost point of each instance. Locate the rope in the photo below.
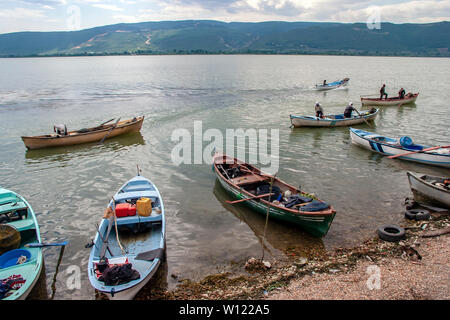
(115, 223)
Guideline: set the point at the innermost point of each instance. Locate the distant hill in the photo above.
(205, 36)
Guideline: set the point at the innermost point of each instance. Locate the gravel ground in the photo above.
(399, 279)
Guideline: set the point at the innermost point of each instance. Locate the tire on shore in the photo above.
(417, 214)
(391, 233)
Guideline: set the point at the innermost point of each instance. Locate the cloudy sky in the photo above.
(62, 15)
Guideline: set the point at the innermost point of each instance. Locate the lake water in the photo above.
(70, 187)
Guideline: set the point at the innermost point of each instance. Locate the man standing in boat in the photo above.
(383, 92)
(319, 110)
(401, 93)
(348, 110)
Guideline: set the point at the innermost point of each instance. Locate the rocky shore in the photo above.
(414, 268)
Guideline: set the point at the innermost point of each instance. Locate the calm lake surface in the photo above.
(70, 187)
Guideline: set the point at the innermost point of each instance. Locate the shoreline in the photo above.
(408, 269)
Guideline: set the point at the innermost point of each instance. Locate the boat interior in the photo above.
(256, 183)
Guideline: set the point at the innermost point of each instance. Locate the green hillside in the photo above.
(192, 36)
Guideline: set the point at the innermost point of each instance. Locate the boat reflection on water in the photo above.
(66, 153)
(282, 240)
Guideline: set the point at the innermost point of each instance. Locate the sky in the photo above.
(68, 15)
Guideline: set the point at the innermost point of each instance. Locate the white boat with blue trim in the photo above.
(333, 120)
(130, 243)
(333, 85)
(439, 156)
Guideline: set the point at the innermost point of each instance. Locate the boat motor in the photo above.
(60, 129)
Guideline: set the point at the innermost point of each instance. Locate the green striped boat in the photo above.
(16, 211)
(313, 215)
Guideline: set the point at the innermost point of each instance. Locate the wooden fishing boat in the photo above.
(333, 85)
(84, 135)
(333, 120)
(289, 204)
(430, 189)
(439, 156)
(130, 238)
(395, 101)
(20, 266)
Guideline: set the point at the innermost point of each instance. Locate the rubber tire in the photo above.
(417, 214)
(391, 233)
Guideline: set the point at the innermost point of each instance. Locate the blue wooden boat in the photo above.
(333, 85)
(403, 148)
(134, 242)
(20, 266)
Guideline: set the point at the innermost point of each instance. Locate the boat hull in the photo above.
(430, 158)
(424, 191)
(388, 102)
(40, 142)
(309, 121)
(31, 270)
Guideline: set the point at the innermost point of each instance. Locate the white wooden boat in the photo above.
(388, 146)
(430, 189)
(395, 101)
(333, 85)
(140, 241)
(333, 120)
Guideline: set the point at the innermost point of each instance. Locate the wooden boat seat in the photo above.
(248, 179)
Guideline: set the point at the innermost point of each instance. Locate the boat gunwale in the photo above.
(327, 212)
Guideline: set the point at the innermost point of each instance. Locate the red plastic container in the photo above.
(125, 210)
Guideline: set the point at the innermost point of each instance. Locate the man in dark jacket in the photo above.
(401, 93)
(348, 110)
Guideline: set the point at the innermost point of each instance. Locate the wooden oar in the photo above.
(363, 118)
(255, 197)
(46, 244)
(419, 151)
(115, 124)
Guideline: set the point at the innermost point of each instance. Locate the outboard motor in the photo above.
(60, 129)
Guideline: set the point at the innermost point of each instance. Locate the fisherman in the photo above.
(324, 82)
(401, 93)
(383, 92)
(348, 110)
(319, 110)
